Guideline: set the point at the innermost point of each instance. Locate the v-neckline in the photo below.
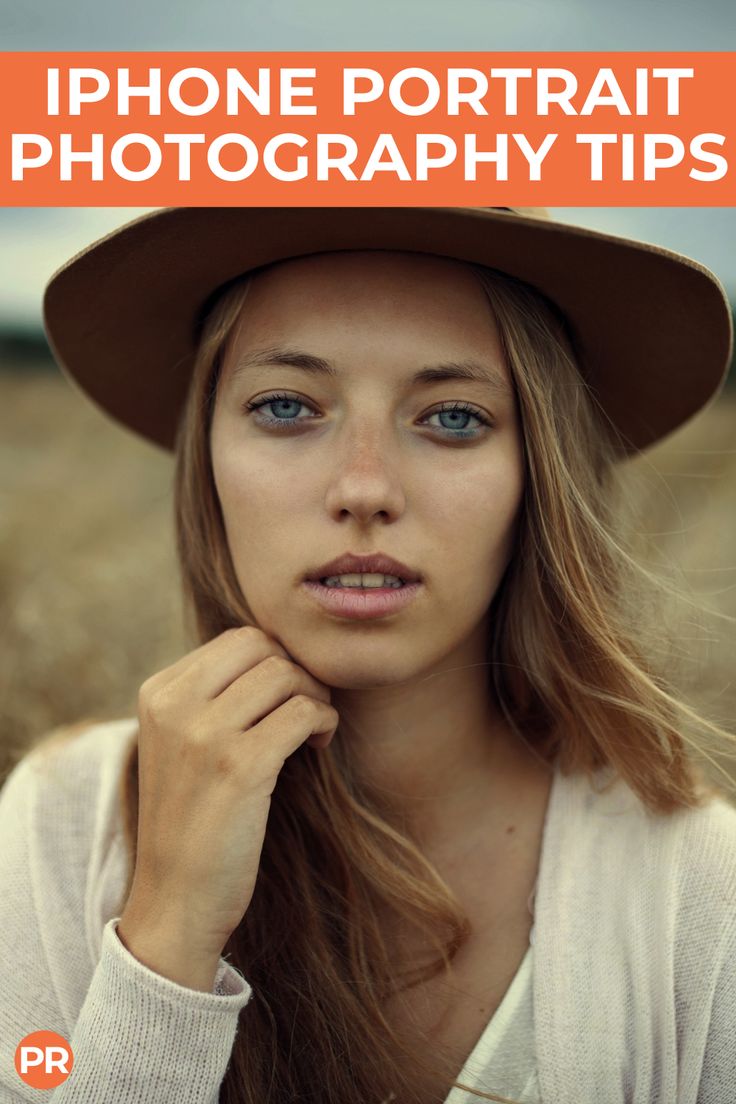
(520, 978)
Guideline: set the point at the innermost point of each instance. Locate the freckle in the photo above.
(511, 828)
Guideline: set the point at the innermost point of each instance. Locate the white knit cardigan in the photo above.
(634, 984)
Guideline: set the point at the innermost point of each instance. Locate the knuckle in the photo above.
(156, 701)
(149, 697)
(304, 706)
(147, 687)
(244, 633)
(276, 667)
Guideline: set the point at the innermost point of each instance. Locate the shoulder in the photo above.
(705, 865)
(679, 864)
(696, 844)
(68, 783)
(611, 808)
(708, 842)
(88, 746)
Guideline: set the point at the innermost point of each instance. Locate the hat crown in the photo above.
(527, 212)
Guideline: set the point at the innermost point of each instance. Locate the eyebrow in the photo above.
(452, 370)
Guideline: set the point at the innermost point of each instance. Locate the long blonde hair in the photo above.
(571, 664)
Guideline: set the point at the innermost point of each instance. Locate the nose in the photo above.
(364, 482)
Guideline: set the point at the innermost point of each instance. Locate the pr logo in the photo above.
(43, 1059)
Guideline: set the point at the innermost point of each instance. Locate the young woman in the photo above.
(418, 819)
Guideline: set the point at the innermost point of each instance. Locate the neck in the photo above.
(436, 749)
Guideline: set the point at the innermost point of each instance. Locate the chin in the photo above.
(342, 680)
(343, 671)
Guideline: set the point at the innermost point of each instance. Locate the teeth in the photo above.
(366, 581)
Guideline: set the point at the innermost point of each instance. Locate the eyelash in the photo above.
(280, 424)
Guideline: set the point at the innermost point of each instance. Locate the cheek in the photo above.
(477, 510)
(259, 500)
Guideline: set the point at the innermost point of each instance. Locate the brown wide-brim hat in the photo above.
(652, 329)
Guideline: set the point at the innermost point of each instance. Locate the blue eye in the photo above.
(277, 401)
(288, 406)
(462, 411)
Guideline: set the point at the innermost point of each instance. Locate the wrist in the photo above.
(172, 958)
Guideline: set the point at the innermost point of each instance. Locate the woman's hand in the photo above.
(215, 730)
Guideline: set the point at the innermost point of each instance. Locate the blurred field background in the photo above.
(88, 576)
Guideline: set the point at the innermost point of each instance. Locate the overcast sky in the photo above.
(368, 25)
(33, 242)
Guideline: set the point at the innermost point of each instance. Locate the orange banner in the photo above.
(367, 129)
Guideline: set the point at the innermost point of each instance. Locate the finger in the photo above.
(260, 690)
(218, 642)
(299, 720)
(210, 668)
(243, 657)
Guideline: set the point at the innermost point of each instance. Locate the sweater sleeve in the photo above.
(136, 1036)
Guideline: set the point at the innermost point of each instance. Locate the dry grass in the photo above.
(88, 579)
(87, 564)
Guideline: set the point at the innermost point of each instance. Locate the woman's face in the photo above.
(365, 459)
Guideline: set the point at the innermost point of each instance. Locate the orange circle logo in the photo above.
(43, 1059)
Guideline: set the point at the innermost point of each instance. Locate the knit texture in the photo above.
(137, 1037)
(635, 974)
(634, 979)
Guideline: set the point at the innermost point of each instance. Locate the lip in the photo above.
(375, 563)
(362, 605)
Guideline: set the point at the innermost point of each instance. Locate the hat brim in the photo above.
(652, 328)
